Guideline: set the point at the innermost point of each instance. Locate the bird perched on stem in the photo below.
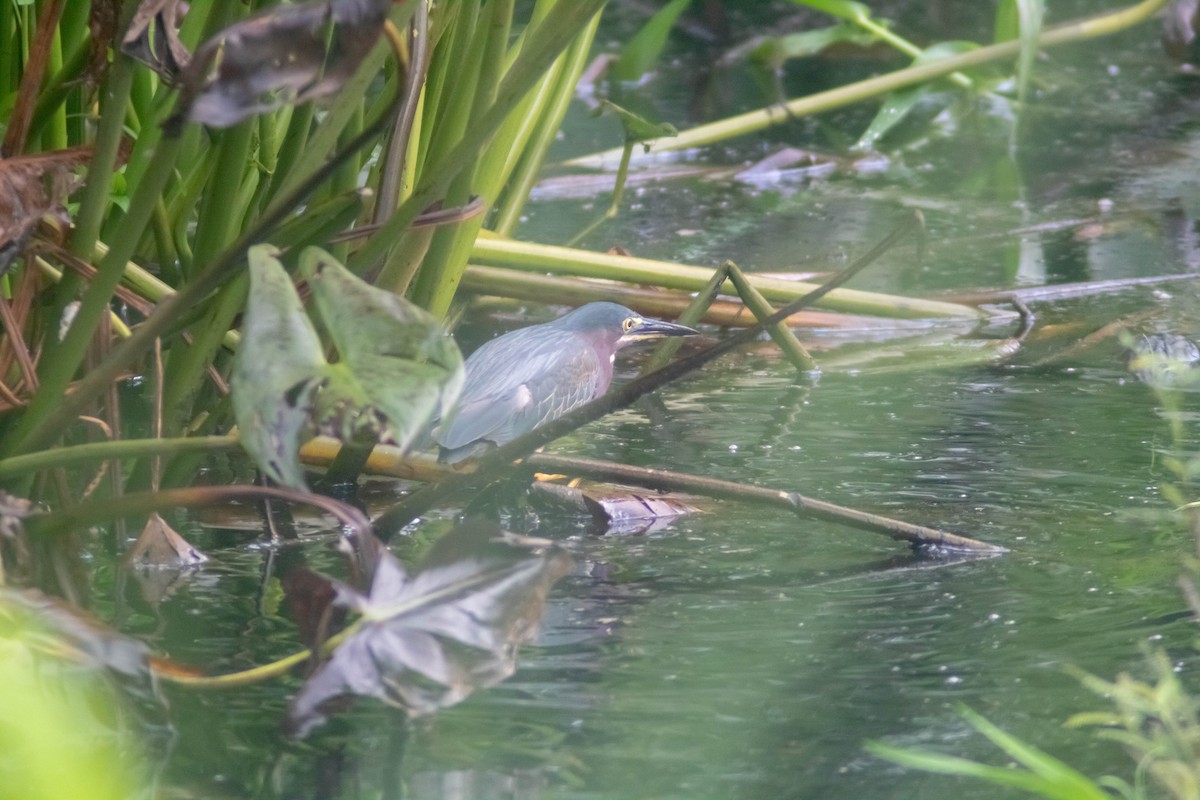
(530, 376)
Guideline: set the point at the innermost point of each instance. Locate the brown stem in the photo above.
(147, 502)
(918, 535)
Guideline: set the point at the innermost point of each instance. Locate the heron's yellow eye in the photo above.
(628, 324)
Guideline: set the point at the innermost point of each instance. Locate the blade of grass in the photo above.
(525, 174)
(552, 36)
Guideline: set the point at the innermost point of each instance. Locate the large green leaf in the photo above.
(397, 368)
(277, 372)
(639, 53)
(898, 104)
(403, 362)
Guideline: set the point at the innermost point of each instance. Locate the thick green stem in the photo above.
(54, 410)
(566, 261)
(546, 41)
(97, 191)
(795, 352)
(220, 218)
(114, 449)
(186, 369)
(45, 418)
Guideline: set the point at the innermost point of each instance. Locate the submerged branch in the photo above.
(918, 535)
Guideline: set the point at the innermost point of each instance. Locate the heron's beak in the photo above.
(655, 329)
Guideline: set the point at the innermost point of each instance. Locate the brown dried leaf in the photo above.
(14, 551)
(153, 37)
(160, 546)
(30, 187)
(103, 19)
(277, 57)
(619, 508)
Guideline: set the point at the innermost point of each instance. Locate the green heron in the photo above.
(530, 376)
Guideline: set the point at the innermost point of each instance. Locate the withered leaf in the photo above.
(430, 639)
(153, 37)
(619, 509)
(159, 545)
(287, 54)
(30, 187)
(103, 19)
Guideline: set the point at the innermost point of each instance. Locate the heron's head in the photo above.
(621, 325)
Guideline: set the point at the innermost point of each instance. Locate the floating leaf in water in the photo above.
(159, 545)
(619, 509)
(408, 366)
(426, 641)
(1180, 21)
(287, 54)
(162, 560)
(153, 37)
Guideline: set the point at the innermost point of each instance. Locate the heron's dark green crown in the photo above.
(616, 325)
(609, 317)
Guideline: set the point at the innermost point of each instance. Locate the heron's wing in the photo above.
(575, 381)
(516, 382)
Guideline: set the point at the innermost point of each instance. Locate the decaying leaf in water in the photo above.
(153, 37)
(287, 54)
(159, 545)
(1180, 21)
(30, 187)
(429, 639)
(619, 509)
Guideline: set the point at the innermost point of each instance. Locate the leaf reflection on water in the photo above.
(427, 640)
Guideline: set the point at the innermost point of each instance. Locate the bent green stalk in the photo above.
(114, 449)
(531, 257)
